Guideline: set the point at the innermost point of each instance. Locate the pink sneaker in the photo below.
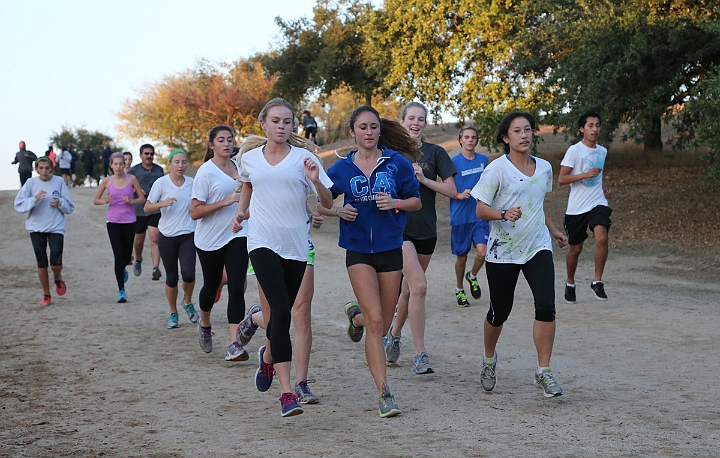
(60, 286)
(46, 300)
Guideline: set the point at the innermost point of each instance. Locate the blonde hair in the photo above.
(276, 102)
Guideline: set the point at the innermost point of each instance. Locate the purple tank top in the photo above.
(120, 211)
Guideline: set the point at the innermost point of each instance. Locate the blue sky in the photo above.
(74, 62)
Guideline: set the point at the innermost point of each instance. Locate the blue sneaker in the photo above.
(125, 275)
(137, 268)
(265, 373)
(289, 405)
(192, 315)
(173, 320)
(122, 297)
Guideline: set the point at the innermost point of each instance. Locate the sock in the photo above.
(206, 329)
(472, 277)
(596, 282)
(568, 284)
(457, 290)
(489, 360)
(542, 369)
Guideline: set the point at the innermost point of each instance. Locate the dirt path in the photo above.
(89, 377)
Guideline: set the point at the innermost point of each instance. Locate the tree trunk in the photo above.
(652, 143)
(368, 99)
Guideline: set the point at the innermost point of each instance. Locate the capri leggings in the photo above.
(234, 258)
(122, 236)
(179, 248)
(40, 242)
(280, 280)
(502, 278)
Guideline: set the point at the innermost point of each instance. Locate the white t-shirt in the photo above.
(277, 207)
(587, 193)
(65, 160)
(175, 220)
(213, 185)
(502, 186)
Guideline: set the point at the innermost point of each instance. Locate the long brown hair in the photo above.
(392, 134)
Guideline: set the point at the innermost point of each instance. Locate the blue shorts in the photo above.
(465, 236)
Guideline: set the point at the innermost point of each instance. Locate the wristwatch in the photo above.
(502, 215)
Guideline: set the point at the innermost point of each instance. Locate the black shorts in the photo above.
(387, 261)
(40, 242)
(142, 222)
(65, 171)
(426, 246)
(576, 226)
(310, 131)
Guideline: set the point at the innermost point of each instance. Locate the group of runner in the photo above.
(253, 207)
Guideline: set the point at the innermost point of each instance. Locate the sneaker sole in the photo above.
(61, 290)
(308, 401)
(428, 370)
(570, 302)
(156, 275)
(391, 413)
(296, 411)
(600, 298)
(244, 356)
(462, 306)
(547, 395)
(354, 332)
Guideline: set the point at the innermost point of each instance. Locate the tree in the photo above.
(326, 53)
(180, 110)
(635, 62)
(81, 140)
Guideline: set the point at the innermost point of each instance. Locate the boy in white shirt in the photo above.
(587, 208)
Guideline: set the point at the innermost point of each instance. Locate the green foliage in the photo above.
(702, 116)
(83, 140)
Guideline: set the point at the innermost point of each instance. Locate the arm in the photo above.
(25, 201)
(199, 209)
(555, 233)
(486, 212)
(242, 210)
(445, 187)
(138, 191)
(101, 189)
(153, 207)
(566, 178)
(64, 202)
(385, 202)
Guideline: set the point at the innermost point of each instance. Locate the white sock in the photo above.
(542, 369)
(596, 282)
(457, 290)
(568, 284)
(472, 277)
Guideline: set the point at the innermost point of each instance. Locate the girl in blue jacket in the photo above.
(379, 186)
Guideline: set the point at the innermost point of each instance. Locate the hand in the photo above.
(126, 199)
(418, 172)
(168, 202)
(513, 214)
(316, 220)
(561, 238)
(592, 173)
(55, 202)
(463, 195)
(40, 195)
(385, 202)
(607, 192)
(235, 197)
(311, 169)
(236, 223)
(348, 213)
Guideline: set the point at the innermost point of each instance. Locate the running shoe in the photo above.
(46, 300)
(599, 290)
(570, 297)
(205, 338)
(192, 315)
(218, 294)
(546, 380)
(289, 405)
(392, 347)
(126, 276)
(422, 364)
(388, 408)
(60, 286)
(122, 297)
(474, 286)
(137, 268)
(173, 320)
(236, 352)
(303, 393)
(488, 377)
(265, 373)
(156, 274)
(246, 329)
(352, 309)
(461, 299)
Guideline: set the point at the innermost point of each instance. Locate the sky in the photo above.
(74, 62)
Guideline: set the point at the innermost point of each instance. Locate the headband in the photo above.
(174, 152)
(43, 158)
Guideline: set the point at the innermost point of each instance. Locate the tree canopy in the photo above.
(180, 110)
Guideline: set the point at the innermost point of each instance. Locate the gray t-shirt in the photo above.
(146, 178)
(435, 162)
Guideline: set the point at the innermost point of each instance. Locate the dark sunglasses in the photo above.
(148, 154)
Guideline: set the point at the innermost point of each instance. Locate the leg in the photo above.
(236, 262)
(460, 262)
(412, 299)
(601, 250)
(479, 258)
(502, 280)
(154, 251)
(115, 234)
(540, 275)
(168, 248)
(186, 253)
(211, 263)
(303, 327)
(39, 241)
(138, 245)
(572, 261)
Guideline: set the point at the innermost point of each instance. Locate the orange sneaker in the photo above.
(60, 286)
(218, 294)
(46, 300)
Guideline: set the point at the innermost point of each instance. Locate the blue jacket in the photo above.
(374, 230)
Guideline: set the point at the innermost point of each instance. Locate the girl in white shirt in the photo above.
(172, 195)
(279, 177)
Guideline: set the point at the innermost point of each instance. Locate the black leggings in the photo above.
(280, 280)
(40, 242)
(539, 272)
(234, 258)
(122, 236)
(179, 248)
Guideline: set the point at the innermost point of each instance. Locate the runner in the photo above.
(46, 199)
(466, 229)
(172, 195)
(379, 187)
(214, 201)
(120, 216)
(420, 237)
(510, 193)
(587, 208)
(127, 155)
(279, 177)
(301, 310)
